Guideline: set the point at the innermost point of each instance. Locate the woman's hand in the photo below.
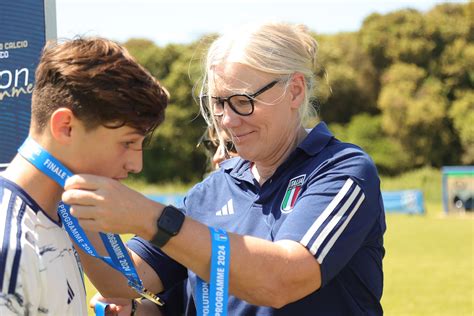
(105, 205)
(116, 307)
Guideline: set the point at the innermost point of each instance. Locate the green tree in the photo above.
(457, 65)
(414, 111)
(172, 154)
(155, 59)
(366, 132)
(462, 114)
(400, 88)
(453, 32)
(347, 80)
(451, 21)
(400, 36)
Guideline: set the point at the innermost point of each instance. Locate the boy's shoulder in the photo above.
(36, 256)
(24, 227)
(14, 196)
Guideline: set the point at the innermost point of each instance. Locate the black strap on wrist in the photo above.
(168, 225)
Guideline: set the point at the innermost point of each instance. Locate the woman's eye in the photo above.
(244, 102)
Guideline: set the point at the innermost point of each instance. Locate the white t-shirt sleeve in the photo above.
(21, 287)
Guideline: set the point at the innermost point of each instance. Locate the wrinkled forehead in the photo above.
(230, 78)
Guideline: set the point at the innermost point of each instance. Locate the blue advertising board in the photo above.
(406, 201)
(25, 27)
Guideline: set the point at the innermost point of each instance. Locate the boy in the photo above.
(92, 107)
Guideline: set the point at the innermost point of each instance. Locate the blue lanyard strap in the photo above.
(211, 299)
(119, 258)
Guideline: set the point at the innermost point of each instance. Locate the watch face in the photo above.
(171, 220)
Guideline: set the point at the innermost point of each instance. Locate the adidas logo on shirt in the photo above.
(70, 293)
(227, 209)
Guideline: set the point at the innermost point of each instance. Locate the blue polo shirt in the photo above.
(326, 196)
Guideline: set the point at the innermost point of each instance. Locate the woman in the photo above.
(303, 211)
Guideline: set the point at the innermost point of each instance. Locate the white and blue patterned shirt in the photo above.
(40, 272)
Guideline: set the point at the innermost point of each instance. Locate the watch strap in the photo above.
(161, 238)
(168, 225)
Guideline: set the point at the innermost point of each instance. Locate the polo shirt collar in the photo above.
(315, 142)
(238, 169)
(317, 139)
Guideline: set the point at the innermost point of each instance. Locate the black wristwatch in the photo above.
(169, 223)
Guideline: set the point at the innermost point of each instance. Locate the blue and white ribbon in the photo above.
(211, 299)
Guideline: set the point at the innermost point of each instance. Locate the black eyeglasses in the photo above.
(242, 104)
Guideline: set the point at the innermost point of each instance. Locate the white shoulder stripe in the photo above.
(3, 213)
(230, 207)
(334, 221)
(325, 214)
(332, 241)
(9, 231)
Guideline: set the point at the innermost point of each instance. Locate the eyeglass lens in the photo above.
(241, 104)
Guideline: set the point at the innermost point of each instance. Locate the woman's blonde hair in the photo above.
(273, 47)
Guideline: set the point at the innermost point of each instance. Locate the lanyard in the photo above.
(119, 258)
(211, 299)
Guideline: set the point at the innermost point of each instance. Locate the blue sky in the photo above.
(182, 21)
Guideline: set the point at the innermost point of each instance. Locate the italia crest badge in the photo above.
(294, 187)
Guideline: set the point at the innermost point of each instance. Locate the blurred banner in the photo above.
(406, 201)
(25, 27)
(166, 199)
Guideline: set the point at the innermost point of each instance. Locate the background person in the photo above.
(216, 150)
(92, 106)
(303, 211)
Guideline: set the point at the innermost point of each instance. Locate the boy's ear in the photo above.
(61, 125)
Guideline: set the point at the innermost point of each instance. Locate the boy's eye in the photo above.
(135, 145)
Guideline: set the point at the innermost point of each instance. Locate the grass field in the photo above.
(429, 258)
(428, 266)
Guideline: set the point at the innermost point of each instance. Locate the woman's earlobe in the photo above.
(297, 90)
